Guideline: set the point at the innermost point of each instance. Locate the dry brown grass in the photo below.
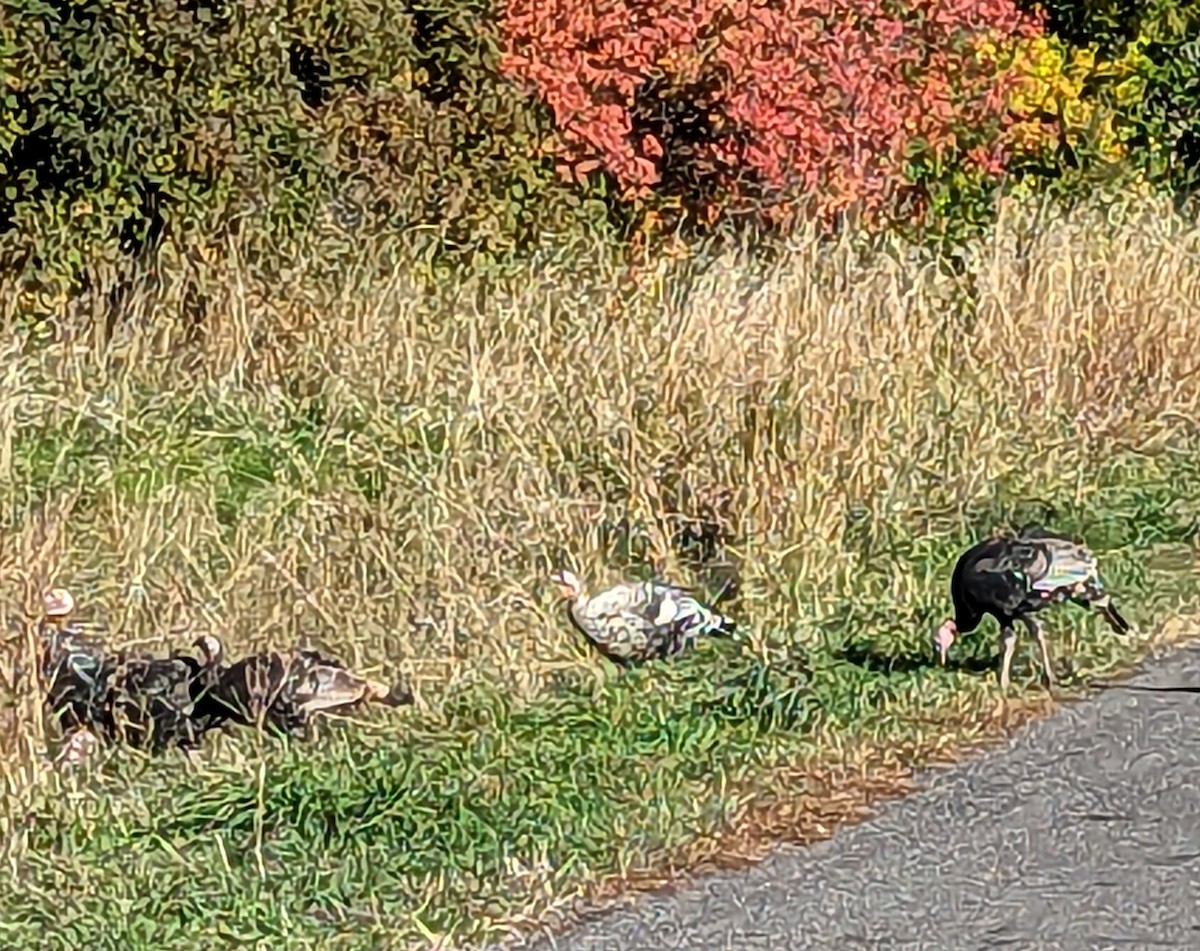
(511, 419)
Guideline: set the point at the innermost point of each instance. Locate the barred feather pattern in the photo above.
(1012, 578)
(77, 676)
(161, 702)
(139, 700)
(1055, 570)
(144, 700)
(638, 621)
(281, 690)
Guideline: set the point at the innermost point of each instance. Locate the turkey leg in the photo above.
(1036, 630)
(1008, 637)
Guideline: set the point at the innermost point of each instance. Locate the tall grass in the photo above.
(394, 468)
(390, 468)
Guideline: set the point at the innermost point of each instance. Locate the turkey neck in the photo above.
(967, 614)
(575, 610)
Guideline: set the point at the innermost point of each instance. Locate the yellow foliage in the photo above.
(1048, 96)
(1048, 93)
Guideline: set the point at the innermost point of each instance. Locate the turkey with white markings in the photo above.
(1012, 578)
(640, 620)
(75, 671)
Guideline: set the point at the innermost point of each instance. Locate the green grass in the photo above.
(389, 471)
(452, 822)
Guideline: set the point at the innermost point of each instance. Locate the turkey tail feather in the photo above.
(728, 589)
(1114, 618)
(725, 626)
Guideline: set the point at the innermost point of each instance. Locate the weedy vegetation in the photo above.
(389, 467)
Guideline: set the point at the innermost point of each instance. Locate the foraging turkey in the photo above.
(639, 621)
(76, 673)
(135, 699)
(1012, 578)
(282, 690)
(158, 702)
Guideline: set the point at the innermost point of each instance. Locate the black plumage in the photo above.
(121, 696)
(156, 702)
(75, 670)
(1014, 577)
(159, 702)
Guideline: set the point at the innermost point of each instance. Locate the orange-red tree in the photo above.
(819, 101)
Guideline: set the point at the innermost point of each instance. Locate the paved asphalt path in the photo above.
(1083, 833)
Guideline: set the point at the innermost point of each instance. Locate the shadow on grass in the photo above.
(876, 661)
(881, 662)
(775, 696)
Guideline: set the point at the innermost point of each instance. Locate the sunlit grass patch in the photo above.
(395, 476)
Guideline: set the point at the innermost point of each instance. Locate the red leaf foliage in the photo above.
(784, 98)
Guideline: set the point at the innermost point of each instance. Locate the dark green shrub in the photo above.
(143, 130)
(1165, 125)
(1109, 24)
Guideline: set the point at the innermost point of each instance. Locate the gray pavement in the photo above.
(1082, 833)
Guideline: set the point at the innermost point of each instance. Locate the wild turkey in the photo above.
(76, 673)
(159, 702)
(1011, 578)
(634, 622)
(281, 691)
(135, 699)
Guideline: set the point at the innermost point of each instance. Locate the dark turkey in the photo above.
(281, 691)
(634, 622)
(1012, 578)
(140, 700)
(76, 673)
(160, 702)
